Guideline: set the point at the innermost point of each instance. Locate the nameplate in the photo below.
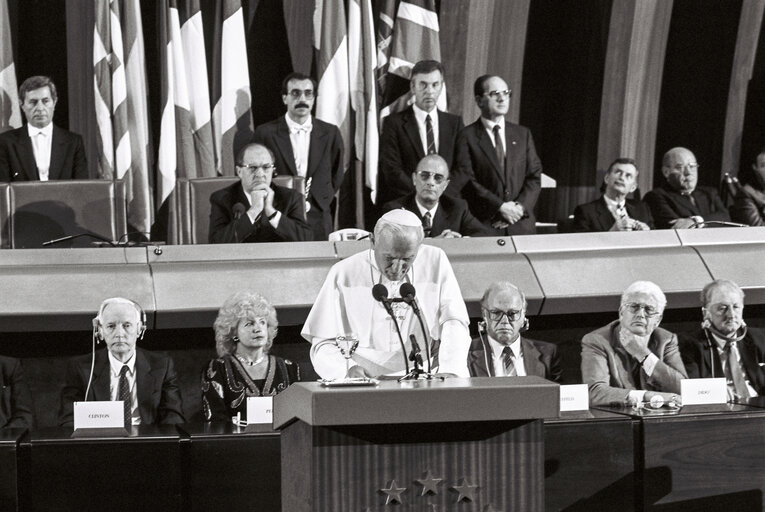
(260, 409)
(574, 397)
(106, 414)
(704, 391)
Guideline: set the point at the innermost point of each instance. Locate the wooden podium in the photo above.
(460, 444)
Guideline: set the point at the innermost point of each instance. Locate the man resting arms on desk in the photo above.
(346, 305)
(632, 359)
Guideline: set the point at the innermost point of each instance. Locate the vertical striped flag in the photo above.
(384, 37)
(10, 113)
(330, 42)
(232, 115)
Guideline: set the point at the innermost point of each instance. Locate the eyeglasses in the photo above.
(425, 176)
(253, 169)
(297, 93)
(681, 167)
(507, 93)
(495, 315)
(635, 307)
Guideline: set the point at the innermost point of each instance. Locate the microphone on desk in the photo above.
(79, 235)
(239, 210)
(719, 223)
(380, 294)
(408, 293)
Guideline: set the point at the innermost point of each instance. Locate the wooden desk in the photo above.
(9, 443)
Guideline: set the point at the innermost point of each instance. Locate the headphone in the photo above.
(119, 300)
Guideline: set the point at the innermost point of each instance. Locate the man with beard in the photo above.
(632, 359)
(679, 203)
(725, 346)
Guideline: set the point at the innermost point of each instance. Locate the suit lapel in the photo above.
(440, 220)
(444, 134)
(487, 146)
(57, 148)
(145, 382)
(316, 148)
(101, 385)
(532, 359)
(27, 154)
(621, 374)
(284, 144)
(413, 132)
(605, 218)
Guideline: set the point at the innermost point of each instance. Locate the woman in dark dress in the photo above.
(244, 332)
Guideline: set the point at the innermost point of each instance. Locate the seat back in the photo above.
(43, 211)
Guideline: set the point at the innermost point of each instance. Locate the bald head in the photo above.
(430, 180)
(680, 168)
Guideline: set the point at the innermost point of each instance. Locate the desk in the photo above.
(227, 468)
(590, 461)
(9, 442)
(102, 473)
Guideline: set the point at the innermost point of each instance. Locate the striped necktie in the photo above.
(431, 140)
(734, 370)
(124, 395)
(507, 360)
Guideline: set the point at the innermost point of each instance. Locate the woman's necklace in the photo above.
(250, 362)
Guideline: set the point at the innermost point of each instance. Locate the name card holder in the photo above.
(704, 391)
(99, 419)
(260, 409)
(574, 397)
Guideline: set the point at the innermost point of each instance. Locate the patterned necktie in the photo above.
(507, 360)
(499, 147)
(124, 395)
(735, 372)
(427, 223)
(429, 135)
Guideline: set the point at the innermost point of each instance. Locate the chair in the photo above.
(41, 211)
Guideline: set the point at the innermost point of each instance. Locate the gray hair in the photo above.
(706, 293)
(237, 307)
(646, 287)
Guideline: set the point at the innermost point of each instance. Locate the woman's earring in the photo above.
(236, 339)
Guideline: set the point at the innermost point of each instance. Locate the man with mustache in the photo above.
(678, 203)
(305, 146)
(614, 211)
(725, 346)
(632, 359)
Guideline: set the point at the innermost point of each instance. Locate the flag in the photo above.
(10, 113)
(330, 42)
(384, 37)
(232, 115)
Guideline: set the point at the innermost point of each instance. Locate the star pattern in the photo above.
(429, 484)
(465, 489)
(393, 493)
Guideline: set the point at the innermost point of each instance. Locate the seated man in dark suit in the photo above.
(144, 380)
(725, 346)
(442, 216)
(255, 210)
(40, 150)
(503, 352)
(679, 203)
(419, 130)
(614, 211)
(15, 399)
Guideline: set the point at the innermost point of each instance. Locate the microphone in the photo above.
(719, 223)
(415, 356)
(380, 294)
(79, 235)
(238, 209)
(407, 293)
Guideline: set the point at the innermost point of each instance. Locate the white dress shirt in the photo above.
(424, 210)
(489, 126)
(300, 137)
(114, 383)
(499, 362)
(420, 115)
(42, 139)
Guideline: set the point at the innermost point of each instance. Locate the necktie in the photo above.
(499, 147)
(507, 359)
(621, 211)
(429, 135)
(427, 223)
(735, 372)
(690, 198)
(124, 395)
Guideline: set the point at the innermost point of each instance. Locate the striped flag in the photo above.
(384, 37)
(10, 113)
(330, 42)
(232, 115)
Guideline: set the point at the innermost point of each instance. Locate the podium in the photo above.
(459, 444)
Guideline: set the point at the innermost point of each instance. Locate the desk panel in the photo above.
(740, 263)
(9, 443)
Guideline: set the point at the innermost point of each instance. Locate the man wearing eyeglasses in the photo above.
(256, 210)
(499, 170)
(305, 146)
(419, 130)
(442, 216)
(679, 203)
(500, 350)
(631, 360)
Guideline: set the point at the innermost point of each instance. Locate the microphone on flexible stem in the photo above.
(407, 293)
(719, 223)
(415, 355)
(380, 294)
(80, 235)
(238, 210)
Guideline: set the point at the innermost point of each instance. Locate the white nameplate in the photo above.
(260, 409)
(99, 414)
(574, 397)
(704, 391)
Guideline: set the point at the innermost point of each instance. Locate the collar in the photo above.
(295, 127)
(489, 124)
(497, 347)
(47, 131)
(420, 114)
(116, 365)
(423, 210)
(613, 204)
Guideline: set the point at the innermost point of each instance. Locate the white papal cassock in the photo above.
(345, 304)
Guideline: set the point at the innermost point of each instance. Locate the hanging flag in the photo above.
(232, 115)
(10, 113)
(384, 38)
(330, 44)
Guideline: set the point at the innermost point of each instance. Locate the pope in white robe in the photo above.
(345, 305)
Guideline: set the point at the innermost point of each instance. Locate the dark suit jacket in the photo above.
(401, 150)
(486, 185)
(325, 166)
(703, 362)
(17, 158)
(667, 204)
(15, 398)
(539, 358)
(595, 215)
(224, 229)
(452, 213)
(159, 397)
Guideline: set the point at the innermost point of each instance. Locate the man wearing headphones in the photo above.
(144, 381)
(500, 350)
(725, 347)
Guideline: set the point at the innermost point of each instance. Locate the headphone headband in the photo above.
(122, 300)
